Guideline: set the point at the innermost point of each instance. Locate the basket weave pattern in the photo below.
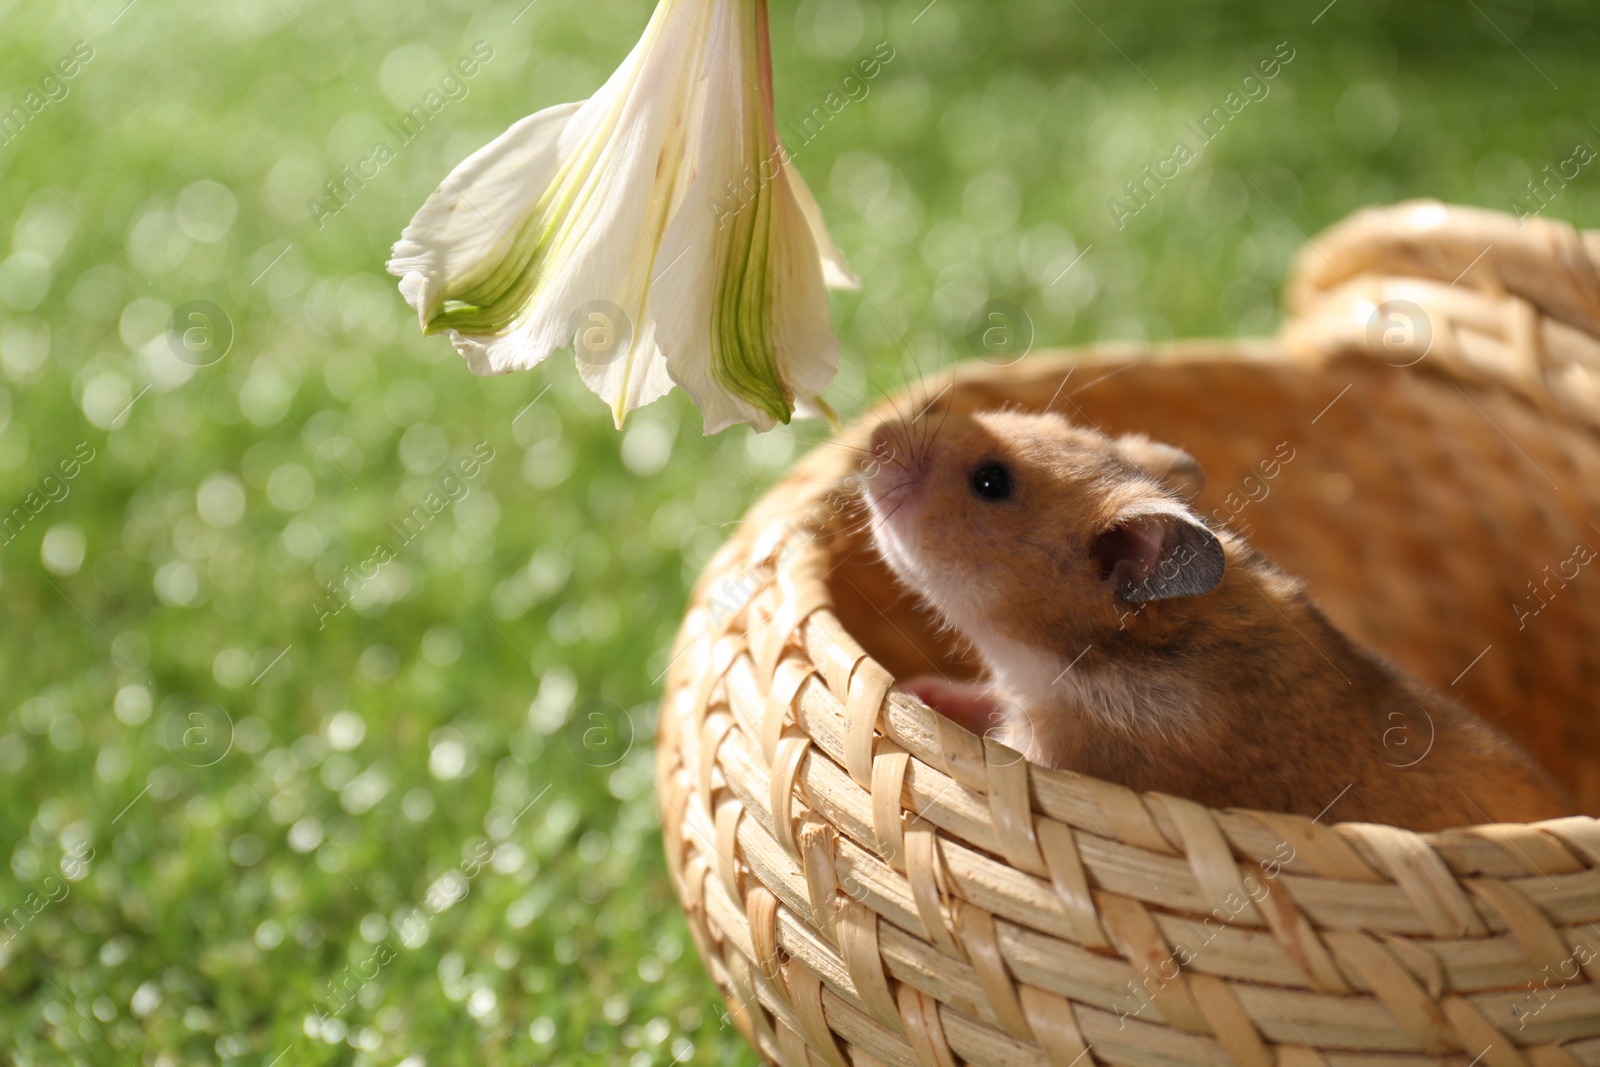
(869, 883)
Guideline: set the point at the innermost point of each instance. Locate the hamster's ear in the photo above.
(1158, 554)
(1172, 467)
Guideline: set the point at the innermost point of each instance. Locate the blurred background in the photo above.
(330, 669)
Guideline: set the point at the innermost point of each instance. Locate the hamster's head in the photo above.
(1028, 530)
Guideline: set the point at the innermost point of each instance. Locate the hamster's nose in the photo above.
(885, 440)
(894, 473)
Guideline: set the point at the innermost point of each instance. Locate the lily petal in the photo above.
(835, 275)
(742, 311)
(555, 217)
(456, 234)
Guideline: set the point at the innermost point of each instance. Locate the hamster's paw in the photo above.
(965, 703)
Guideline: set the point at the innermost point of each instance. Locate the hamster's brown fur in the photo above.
(1126, 639)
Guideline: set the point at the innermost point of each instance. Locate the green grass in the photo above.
(233, 801)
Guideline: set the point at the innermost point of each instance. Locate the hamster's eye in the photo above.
(991, 481)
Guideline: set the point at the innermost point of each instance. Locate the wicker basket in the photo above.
(869, 883)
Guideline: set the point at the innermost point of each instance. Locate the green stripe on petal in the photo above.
(744, 350)
(489, 298)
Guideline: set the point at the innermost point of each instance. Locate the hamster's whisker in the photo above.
(883, 394)
(918, 393)
(860, 526)
(873, 529)
(868, 524)
(843, 446)
(944, 413)
(815, 505)
(930, 432)
(921, 414)
(932, 401)
(900, 413)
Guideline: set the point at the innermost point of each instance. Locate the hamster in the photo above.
(1124, 637)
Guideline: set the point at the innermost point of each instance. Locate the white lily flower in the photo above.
(658, 226)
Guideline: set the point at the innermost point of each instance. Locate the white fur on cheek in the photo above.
(1022, 671)
(1020, 681)
(886, 537)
